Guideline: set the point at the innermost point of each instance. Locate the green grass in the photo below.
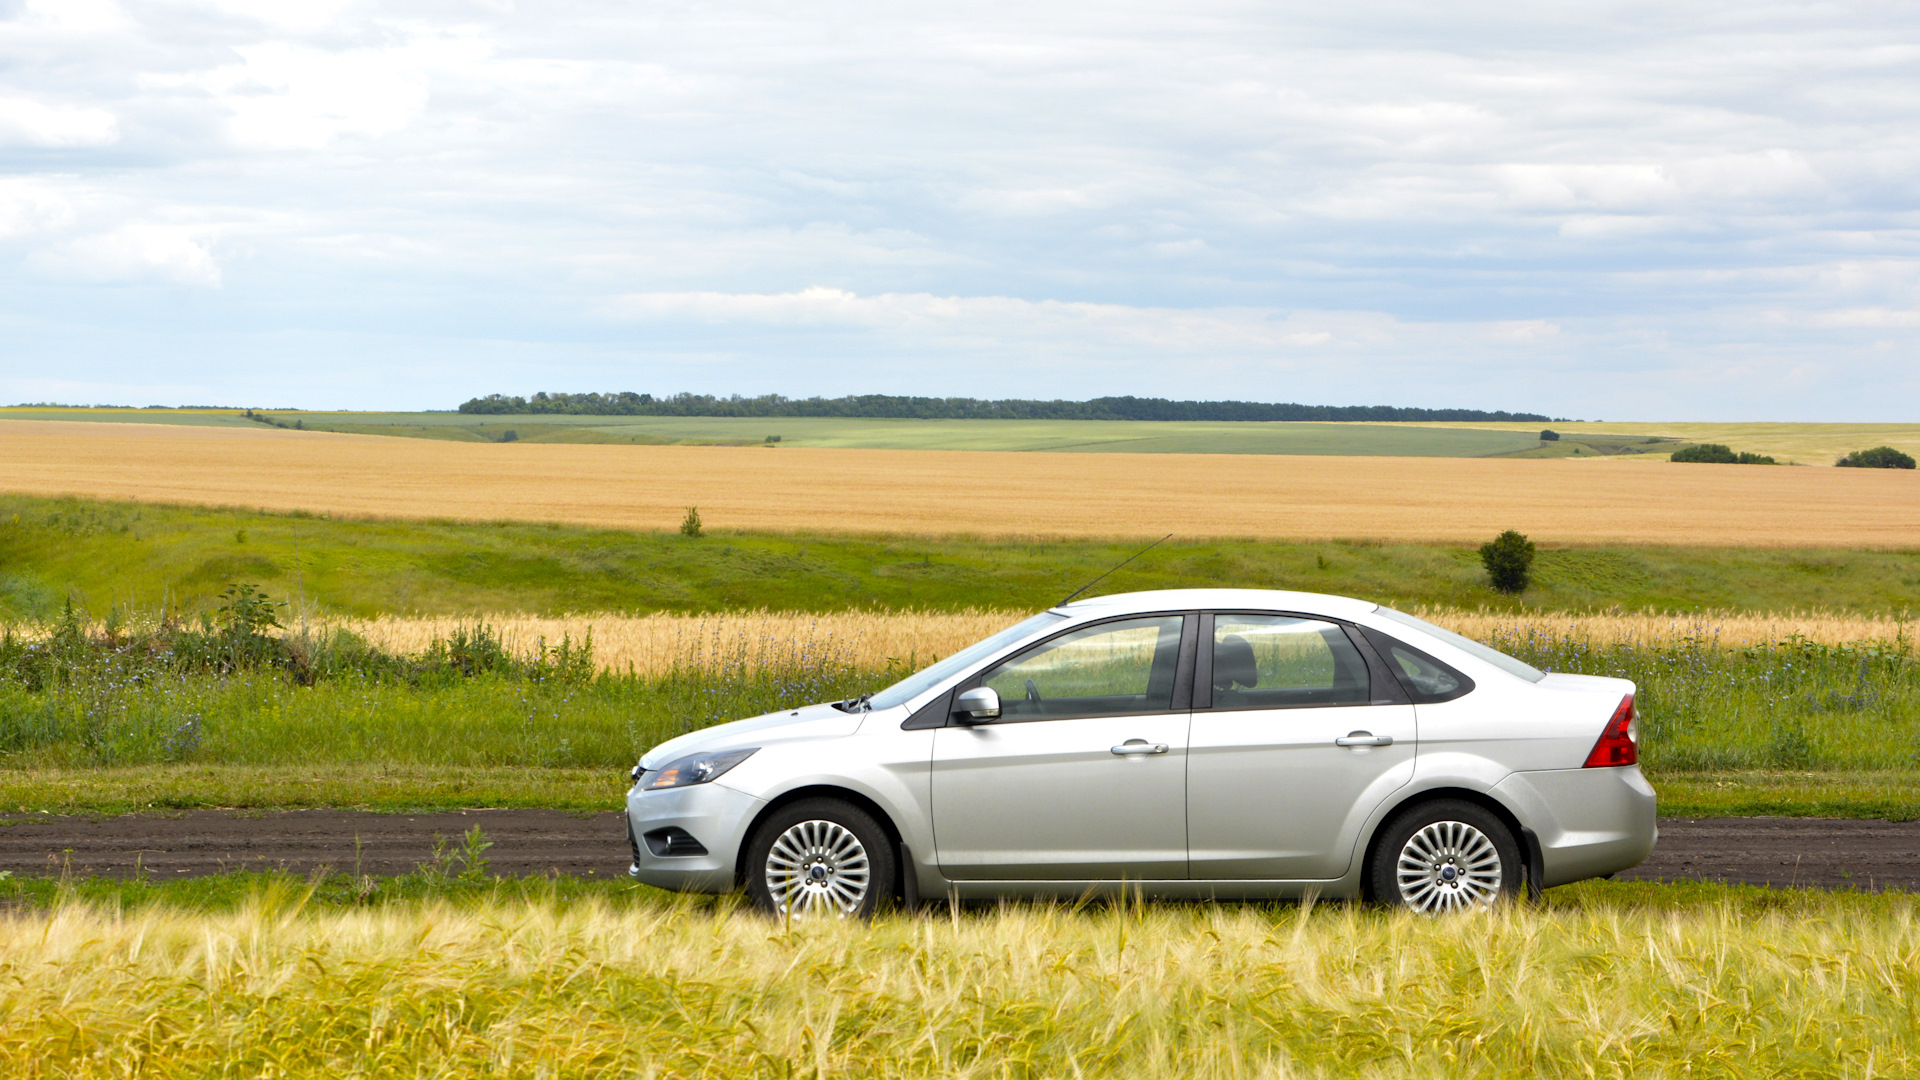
(1891, 795)
(1795, 705)
(255, 976)
(386, 787)
(139, 557)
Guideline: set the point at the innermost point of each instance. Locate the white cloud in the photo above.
(1609, 198)
(134, 252)
(287, 96)
(1011, 322)
(30, 206)
(26, 122)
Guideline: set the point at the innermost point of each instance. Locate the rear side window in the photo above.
(1426, 680)
(1517, 668)
(1281, 662)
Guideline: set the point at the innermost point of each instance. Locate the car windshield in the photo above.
(920, 682)
(1467, 645)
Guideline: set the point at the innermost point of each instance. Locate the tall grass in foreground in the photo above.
(510, 987)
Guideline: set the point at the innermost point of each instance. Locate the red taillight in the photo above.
(1617, 745)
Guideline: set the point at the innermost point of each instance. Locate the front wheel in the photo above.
(819, 857)
(1444, 856)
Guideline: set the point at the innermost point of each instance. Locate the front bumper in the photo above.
(1591, 822)
(714, 815)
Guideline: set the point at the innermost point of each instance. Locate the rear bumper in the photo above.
(716, 816)
(1590, 822)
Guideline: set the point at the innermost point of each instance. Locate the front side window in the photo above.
(914, 685)
(1108, 669)
(1279, 662)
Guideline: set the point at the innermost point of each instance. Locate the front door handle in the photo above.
(1363, 738)
(1136, 747)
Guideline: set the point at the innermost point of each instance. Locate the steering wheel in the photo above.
(1033, 692)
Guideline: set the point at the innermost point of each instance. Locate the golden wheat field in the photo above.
(935, 492)
(654, 644)
(539, 989)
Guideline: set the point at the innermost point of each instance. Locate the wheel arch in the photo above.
(1522, 836)
(818, 791)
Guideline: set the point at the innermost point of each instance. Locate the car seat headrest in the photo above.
(1233, 664)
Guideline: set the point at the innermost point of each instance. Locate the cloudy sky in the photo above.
(1616, 210)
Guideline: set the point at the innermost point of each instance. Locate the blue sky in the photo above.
(1618, 210)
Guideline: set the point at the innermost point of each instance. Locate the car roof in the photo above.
(1342, 607)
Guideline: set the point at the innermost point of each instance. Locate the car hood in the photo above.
(812, 722)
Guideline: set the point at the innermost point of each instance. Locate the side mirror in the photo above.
(978, 705)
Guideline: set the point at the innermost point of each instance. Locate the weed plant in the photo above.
(226, 692)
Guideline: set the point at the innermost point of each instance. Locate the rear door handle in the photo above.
(1136, 747)
(1363, 738)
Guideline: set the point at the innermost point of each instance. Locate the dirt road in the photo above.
(1820, 852)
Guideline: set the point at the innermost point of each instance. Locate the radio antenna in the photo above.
(1123, 562)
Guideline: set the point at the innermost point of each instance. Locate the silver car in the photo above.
(1205, 743)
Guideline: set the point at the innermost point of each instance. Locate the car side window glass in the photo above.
(1281, 662)
(1107, 669)
(1425, 677)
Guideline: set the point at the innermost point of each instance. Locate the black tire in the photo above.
(1460, 844)
(843, 841)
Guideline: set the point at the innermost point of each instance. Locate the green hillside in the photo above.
(108, 556)
(1171, 437)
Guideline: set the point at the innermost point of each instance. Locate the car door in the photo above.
(1294, 741)
(1083, 777)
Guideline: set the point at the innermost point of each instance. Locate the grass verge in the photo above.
(481, 979)
(383, 788)
(1892, 795)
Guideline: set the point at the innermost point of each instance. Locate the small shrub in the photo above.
(1720, 454)
(509, 435)
(1880, 457)
(1509, 561)
(690, 525)
(1549, 435)
(771, 439)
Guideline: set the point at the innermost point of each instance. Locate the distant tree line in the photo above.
(930, 408)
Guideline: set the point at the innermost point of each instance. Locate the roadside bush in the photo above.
(1880, 457)
(1509, 561)
(690, 525)
(1720, 454)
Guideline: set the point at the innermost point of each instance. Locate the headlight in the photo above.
(695, 769)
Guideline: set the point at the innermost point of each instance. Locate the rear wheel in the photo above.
(819, 857)
(1446, 855)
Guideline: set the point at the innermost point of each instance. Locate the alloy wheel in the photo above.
(818, 866)
(1449, 866)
